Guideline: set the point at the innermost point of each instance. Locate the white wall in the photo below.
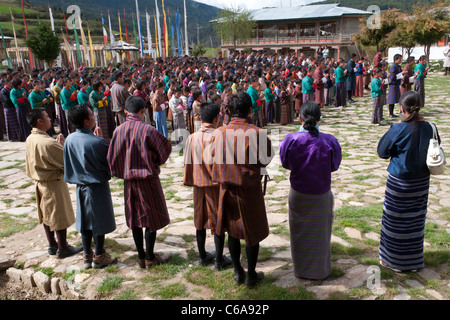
(436, 53)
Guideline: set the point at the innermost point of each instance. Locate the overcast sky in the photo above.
(255, 4)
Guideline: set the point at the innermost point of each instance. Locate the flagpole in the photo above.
(30, 56)
(18, 57)
(138, 17)
(126, 32)
(185, 29)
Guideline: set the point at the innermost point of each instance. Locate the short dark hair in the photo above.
(34, 115)
(209, 111)
(134, 104)
(96, 85)
(240, 104)
(117, 74)
(78, 114)
(16, 82)
(397, 56)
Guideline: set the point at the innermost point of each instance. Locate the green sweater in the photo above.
(82, 97)
(95, 99)
(307, 85)
(68, 100)
(16, 96)
(375, 88)
(421, 68)
(254, 96)
(268, 94)
(36, 99)
(339, 75)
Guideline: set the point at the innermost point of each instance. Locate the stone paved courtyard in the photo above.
(358, 187)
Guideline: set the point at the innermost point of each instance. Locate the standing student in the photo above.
(359, 86)
(447, 60)
(11, 121)
(298, 95)
(407, 187)
(308, 85)
(83, 94)
(68, 100)
(19, 98)
(408, 72)
(45, 165)
(367, 77)
(256, 103)
(98, 102)
(394, 83)
(320, 85)
(197, 101)
(198, 174)
(340, 75)
(242, 212)
(136, 153)
(421, 71)
(351, 77)
(119, 95)
(62, 119)
(86, 166)
(177, 108)
(329, 88)
(284, 103)
(377, 89)
(159, 105)
(311, 156)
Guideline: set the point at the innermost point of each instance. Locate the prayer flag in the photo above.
(158, 29)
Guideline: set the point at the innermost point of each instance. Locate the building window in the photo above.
(307, 30)
(327, 29)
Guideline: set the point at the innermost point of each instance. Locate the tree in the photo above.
(429, 25)
(402, 35)
(235, 25)
(199, 50)
(44, 44)
(378, 36)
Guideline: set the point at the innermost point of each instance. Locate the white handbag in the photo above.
(435, 157)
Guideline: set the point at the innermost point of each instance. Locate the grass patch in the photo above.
(171, 291)
(109, 285)
(10, 225)
(361, 218)
(127, 294)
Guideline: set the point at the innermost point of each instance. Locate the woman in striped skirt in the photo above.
(311, 156)
(406, 197)
(98, 102)
(12, 123)
(19, 97)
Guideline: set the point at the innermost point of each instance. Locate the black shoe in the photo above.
(52, 250)
(239, 277)
(253, 279)
(69, 251)
(209, 258)
(351, 101)
(393, 116)
(223, 264)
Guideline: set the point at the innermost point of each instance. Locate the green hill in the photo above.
(37, 11)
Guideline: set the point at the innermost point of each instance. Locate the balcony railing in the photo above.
(298, 40)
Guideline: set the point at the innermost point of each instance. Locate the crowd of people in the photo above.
(115, 122)
(173, 89)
